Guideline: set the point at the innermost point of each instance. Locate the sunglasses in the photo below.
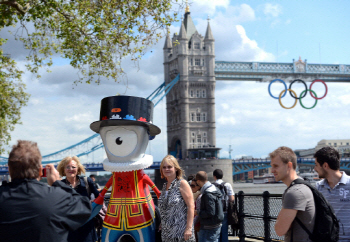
(193, 186)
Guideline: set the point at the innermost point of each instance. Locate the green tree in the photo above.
(12, 97)
(94, 35)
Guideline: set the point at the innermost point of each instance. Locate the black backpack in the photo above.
(223, 191)
(326, 227)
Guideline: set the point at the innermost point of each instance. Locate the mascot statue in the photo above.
(125, 127)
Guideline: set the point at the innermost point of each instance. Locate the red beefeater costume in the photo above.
(130, 206)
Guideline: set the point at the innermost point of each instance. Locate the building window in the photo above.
(347, 143)
(197, 62)
(198, 117)
(204, 140)
(204, 134)
(196, 46)
(204, 117)
(193, 141)
(198, 94)
(193, 134)
(202, 62)
(329, 144)
(204, 93)
(335, 144)
(192, 117)
(191, 62)
(199, 139)
(199, 146)
(191, 93)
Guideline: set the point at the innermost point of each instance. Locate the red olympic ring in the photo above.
(312, 95)
(302, 95)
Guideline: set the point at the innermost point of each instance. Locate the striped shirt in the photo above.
(173, 212)
(339, 198)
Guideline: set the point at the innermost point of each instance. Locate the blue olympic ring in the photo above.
(285, 87)
(293, 94)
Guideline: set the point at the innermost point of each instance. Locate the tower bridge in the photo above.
(190, 75)
(191, 102)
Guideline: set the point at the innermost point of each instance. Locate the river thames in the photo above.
(273, 188)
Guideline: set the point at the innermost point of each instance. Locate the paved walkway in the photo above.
(236, 239)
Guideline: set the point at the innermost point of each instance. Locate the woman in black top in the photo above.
(72, 168)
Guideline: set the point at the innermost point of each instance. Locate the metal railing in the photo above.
(257, 215)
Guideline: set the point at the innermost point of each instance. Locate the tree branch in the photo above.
(16, 5)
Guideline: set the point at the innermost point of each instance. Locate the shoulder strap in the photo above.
(301, 181)
(225, 188)
(87, 186)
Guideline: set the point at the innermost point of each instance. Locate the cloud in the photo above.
(272, 10)
(59, 114)
(208, 6)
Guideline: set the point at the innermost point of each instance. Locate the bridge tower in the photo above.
(191, 102)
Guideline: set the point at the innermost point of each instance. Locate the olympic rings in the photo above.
(290, 87)
(285, 87)
(294, 95)
(324, 86)
(310, 92)
(284, 91)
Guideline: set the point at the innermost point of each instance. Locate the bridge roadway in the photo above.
(238, 166)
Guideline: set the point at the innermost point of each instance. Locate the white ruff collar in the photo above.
(145, 162)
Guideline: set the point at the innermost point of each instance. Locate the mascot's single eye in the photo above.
(118, 141)
(121, 142)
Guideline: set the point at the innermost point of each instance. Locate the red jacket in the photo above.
(130, 206)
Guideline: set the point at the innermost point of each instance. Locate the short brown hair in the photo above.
(286, 154)
(172, 161)
(25, 160)
(202, 176)
(63, 163)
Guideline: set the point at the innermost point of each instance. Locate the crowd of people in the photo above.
(190, 210)
(193, 210)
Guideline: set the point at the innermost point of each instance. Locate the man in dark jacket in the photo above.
(210, 214)
(33, 211)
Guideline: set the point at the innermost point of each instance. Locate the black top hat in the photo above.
(126, 110)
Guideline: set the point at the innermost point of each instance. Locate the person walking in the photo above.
(228, 197)
(210, 214)
(175, 203)
(335, 187)
(297, 201)
(31, 210)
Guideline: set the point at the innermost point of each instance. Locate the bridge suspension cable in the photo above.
(94, 143)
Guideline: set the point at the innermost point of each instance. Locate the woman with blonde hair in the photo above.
(71, 168)
(175, 203)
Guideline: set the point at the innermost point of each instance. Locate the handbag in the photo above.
(232, 216)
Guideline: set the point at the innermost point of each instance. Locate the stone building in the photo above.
(191, 102)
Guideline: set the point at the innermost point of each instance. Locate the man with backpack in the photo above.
(210, 212)
(227, 197)
(297, 200)
(335, 187)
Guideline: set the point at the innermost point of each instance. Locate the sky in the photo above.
(59, 113)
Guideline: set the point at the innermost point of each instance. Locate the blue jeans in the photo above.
(209, 235)
(224, 230)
